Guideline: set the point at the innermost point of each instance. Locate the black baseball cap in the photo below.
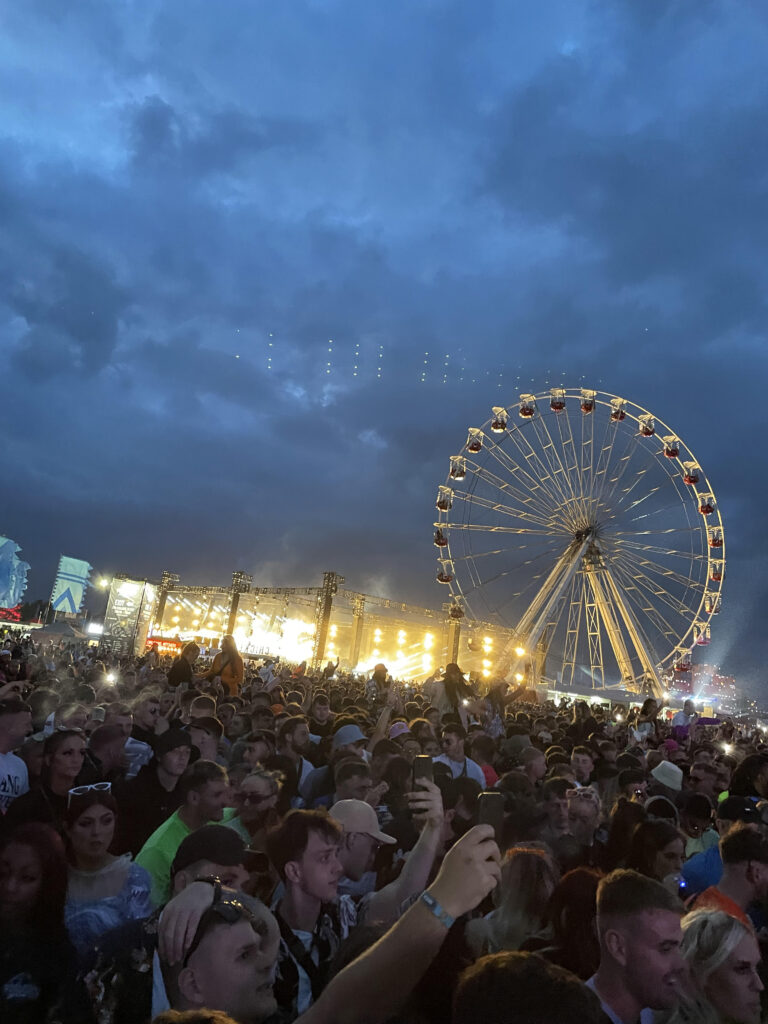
(219, 845)
(738, 808)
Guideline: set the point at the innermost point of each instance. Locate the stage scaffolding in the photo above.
(319, 624)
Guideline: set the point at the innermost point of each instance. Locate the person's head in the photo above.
(204, 789)
(723, 956)
(89, 823)
(304, 849)
(702, 778)
(533, 762)
(430, 746)
(228, 647)
(15, 723)
(31, 753)
(202, 706)
(173, 750)
(257, 747)
(257, 795)
(432, 715)
(190, 653)
(348, 741)
(120, 714)
(352, 779)
(421, 728)
(573, 916)
(410, 746)
(205, 733)
(554, 800)
(452, 742)
(583, 814)
(293, 736)
(321, 708)
(528, 879)
(638, 925)
(33, 878)
(508, 988)
(63, 755)
(230, 963)
(689, 707)
(650, 708)
(262, 719)
(482, 749)
(107, 742)
(657, 849)
(361, 837)
(632, 784)
(146, 711)
(71, 716)
(696, 814)
(582, 764)
(751, 777)
(211, 850)
(744, 852)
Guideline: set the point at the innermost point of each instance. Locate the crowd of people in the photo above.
(186, 842)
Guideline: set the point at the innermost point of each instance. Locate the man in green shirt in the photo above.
(204, 789)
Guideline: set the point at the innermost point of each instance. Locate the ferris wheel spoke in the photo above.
(552, 454)
(645, 611)
(539, 480)
(643, 565)
(541, 470)
(479, 501)
(652, 549)
(570, 458)
(641, 599)
(661, 594)
(656, 533)
(542, 514)
(520, 531)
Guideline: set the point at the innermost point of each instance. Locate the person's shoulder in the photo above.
(138, 876)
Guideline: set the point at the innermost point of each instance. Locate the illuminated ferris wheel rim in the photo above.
(556, 501)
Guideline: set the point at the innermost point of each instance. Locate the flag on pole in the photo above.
(70, 586)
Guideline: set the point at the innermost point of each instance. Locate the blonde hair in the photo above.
(528, 879)
(709, 938)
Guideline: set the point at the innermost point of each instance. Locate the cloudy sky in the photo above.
(261, 264)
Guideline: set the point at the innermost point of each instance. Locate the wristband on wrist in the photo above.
(442, 915)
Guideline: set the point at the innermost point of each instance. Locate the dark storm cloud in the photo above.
(197, 200)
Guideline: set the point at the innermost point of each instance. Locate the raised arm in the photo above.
(376, 985)
(427, 806)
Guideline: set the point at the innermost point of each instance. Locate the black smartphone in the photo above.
(422, 769)
(490, 811)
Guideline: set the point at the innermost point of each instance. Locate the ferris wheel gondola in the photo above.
(583, 522)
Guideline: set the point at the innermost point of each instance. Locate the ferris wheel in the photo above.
(581, 522)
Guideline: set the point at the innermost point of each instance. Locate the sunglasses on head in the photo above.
(230, 911)
(95, 787)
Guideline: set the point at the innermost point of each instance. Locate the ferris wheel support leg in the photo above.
(534, 622)
(606, 612)
(649, 666)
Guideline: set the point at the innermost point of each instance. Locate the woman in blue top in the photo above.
(104, 891)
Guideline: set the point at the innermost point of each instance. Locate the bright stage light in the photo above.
(334, 630)
(486, 663)
(486, 673)
(519, 677)
(429, 642)
(520, 651)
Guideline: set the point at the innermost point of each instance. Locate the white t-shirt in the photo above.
(14, 780)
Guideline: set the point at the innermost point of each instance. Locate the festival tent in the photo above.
(59, 631)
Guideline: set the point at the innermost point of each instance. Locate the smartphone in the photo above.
(422, 769)
(490, 811)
